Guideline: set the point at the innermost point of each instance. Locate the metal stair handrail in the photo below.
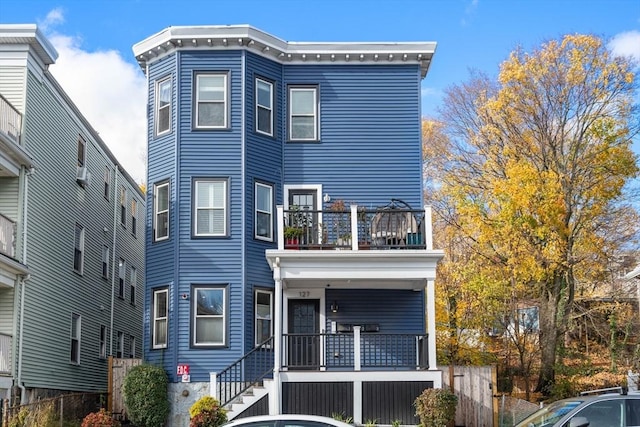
(245, 372)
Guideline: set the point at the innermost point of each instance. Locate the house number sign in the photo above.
(305, 294)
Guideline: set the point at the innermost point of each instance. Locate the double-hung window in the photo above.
(82, 148)
(161, 211)
(102, 351)
(209, 316)
(107, 181)
(163, 106)
(123, 206)
(264, 211)
(132, 347)
(211, 101)
(160, 318)
(121, 274)
(75, 339)
(210, 207)
(78, 250)
(133, 279)
(303, 113)
(120, 348)
(264, 314)
(134, 216)
(264, 107)
(105, 262)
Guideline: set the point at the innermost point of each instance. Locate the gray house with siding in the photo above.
(288, 252)
(71, 235)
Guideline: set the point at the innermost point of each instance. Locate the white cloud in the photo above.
(108, 91)
(626, 44)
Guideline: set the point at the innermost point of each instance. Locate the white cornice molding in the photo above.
(29, 34)
(233, 37)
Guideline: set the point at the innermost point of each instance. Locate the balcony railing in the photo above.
(5, 354)
(10, 120)
(7, 236)
(355, 351)
(356, 228)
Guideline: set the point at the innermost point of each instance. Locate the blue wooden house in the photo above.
(288, 253)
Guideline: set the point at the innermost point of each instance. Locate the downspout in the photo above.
(174, 232)
(243, 204)
(23, 390)
(113, 257)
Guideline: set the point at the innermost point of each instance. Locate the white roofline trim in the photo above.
(29, 34)
(250, 38)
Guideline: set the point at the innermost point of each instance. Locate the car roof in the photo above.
(288, 417)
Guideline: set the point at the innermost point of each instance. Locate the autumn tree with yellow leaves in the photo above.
(528, 179)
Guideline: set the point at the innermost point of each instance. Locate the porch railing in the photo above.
(355, 228)
(244, 373)
(5, 354)
(7, 236)
(355, 351)
(10, 120)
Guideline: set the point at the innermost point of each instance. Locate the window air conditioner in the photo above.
(83, 176)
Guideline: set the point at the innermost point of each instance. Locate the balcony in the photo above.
(395, 226)
(7, 236)
(10, 121)
(12, 154)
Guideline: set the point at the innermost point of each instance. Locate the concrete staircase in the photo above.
(247, 399)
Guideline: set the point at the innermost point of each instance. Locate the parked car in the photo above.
(287, 420)
(602, 410)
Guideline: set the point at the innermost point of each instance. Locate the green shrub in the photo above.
(207, 412)
(99, 419)
(436, 407)
(145, 395)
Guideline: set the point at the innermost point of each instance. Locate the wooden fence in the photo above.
(474, 386)
(118, 369)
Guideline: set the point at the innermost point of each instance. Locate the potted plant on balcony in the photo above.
(295, 228)
(364, 229)
(341, 222)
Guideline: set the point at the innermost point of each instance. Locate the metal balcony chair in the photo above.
(392, 224)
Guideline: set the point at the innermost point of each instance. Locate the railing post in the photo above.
(428, 228)
(354, 227)
(357, 363)
(280, 226)
(213, 385)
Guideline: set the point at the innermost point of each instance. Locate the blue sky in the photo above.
(94, 39)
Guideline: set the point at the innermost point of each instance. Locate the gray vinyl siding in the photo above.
(160, 256)
(263, 164)
(12, 81)
(9, 188)
(6, 310)
(369, 150)
(56, 202)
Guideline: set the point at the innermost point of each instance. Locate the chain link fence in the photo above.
(513, 410)
(61, 411)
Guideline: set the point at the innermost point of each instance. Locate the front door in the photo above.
(304, 334)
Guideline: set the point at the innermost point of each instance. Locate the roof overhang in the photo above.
(246, 37)
(29, 34)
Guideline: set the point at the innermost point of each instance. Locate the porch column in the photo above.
(357, 363)
(431, 323)
(276, 403)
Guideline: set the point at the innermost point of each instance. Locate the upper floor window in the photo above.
(120, 348)
(209, 320)
(75, 338)
(210, 207)
(211, 101)
(107, 181)
(160, 318)
(264, 107)
(121, 273)
(264, 211)
(123, 206)
(161, 211)
(132, 347)
(82, 146)
(105, 262)
(133, 283)
(163, 106)
(78, 251)
(263, 315)
(102, 350)
(134, 216)
(303, 113)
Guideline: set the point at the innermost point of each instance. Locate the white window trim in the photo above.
(120, 348)
(105, 261)
(270, 212)
(260, 291)
(315, 114)
(224, 102)
(158, 108)
(132, 347)
(102, 342)
(157, 212)
(76, 317)
(156, 319)
(224, 208)
(83, 142)
(270, 109)
(123, 206)
(134, 216)
(133, 283)
(195, 317)
(80, 248)
(107, 182)
(122, 273)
